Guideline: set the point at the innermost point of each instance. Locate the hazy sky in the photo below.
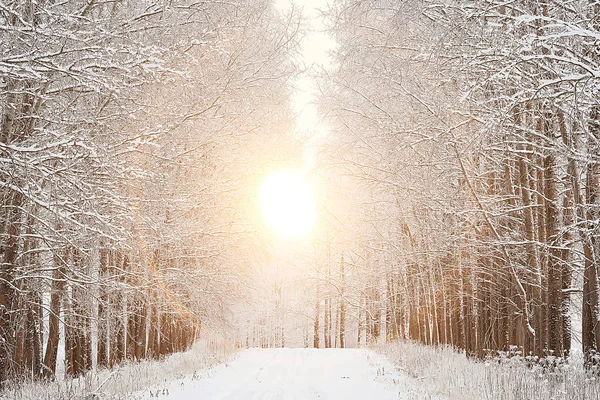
(314, 53)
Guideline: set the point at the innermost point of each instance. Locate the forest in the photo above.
(455, 167)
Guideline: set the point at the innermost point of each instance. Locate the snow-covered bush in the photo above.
(451, 374)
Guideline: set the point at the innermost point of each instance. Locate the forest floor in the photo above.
(297, 374)
(216, 370)
(400, 370)
(129, 380)
(446, 372)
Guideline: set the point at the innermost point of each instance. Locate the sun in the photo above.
(288, 203)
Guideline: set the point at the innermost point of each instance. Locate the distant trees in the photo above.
(475, 123)
(114, 121)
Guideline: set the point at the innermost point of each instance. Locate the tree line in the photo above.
(119, 214)
(474, 128)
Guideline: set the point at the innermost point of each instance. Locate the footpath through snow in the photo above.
(295, 374)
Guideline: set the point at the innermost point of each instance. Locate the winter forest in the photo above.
(305, 174)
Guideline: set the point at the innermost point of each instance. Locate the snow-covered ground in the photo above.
(451, 374)
(403, 370)
(400, 370)
(130, 377)
(296, 374)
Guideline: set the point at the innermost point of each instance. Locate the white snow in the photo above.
(295, 374)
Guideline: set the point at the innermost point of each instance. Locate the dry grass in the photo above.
(123, 381)
(451, 374)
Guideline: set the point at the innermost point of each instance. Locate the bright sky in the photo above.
(314, 53)
(286, 197)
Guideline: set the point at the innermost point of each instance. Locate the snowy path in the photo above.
(292, 374)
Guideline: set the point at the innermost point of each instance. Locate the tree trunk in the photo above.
(554, 264)
(571, 184)
(342, 304)
(590, 325)
(317, 315)
(8, 296)
(58, 287)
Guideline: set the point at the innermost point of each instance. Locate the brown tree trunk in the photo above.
(571, 185)
(58, 287)
(140, 339)
(342, 303)
(316, 340)
(538, 285)
(468, 317)
(390, 311)
(103, 312)
(8, 296)
(533, 263)
(70, 341)
(327, 308)
(326, 336)
(361, 325)
(554, 263)
(590, 325)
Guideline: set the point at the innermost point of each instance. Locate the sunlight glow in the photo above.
(288, 204)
